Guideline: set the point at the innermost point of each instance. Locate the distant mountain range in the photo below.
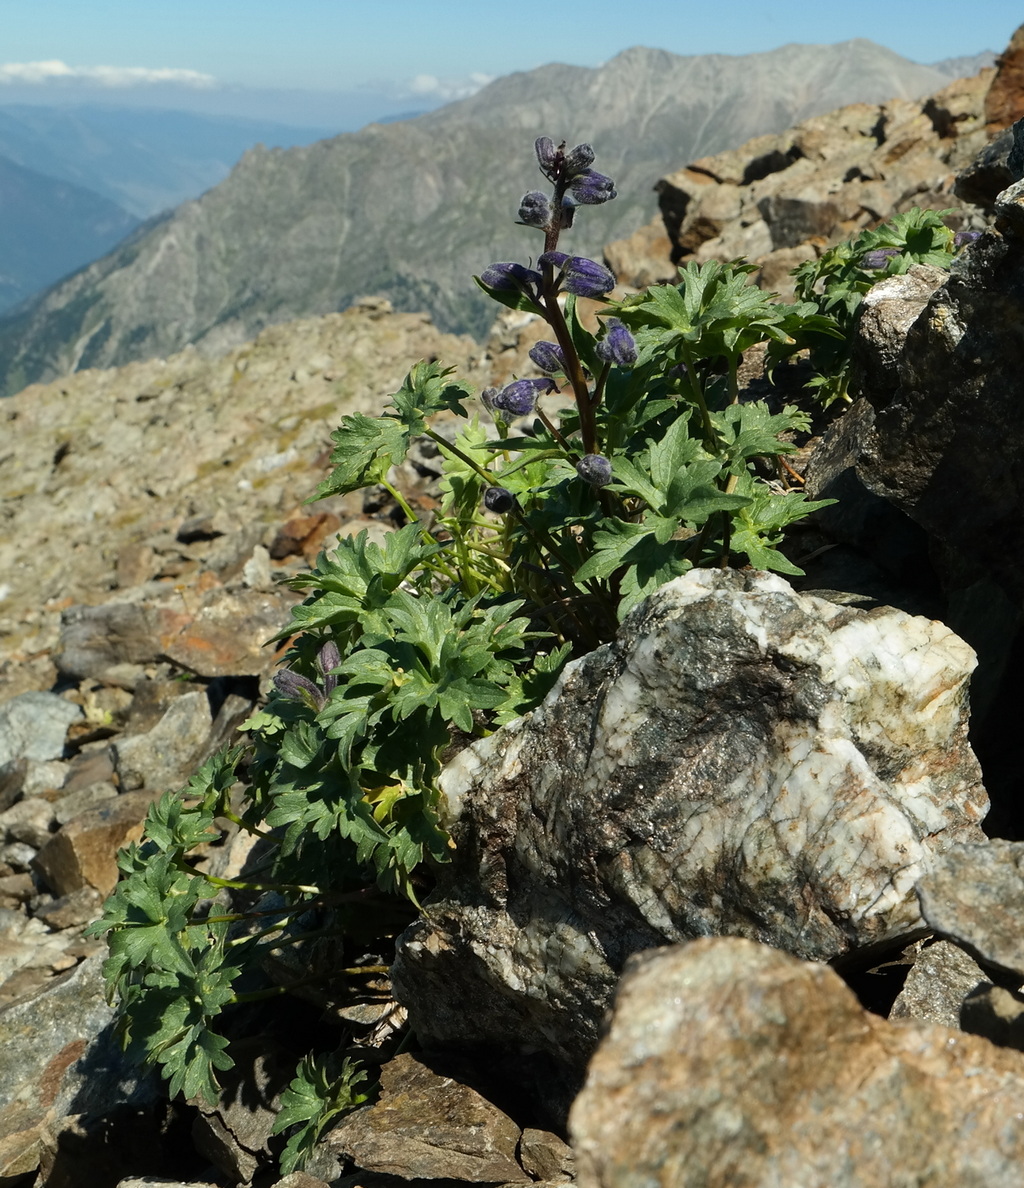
(410, 210)
(145, 160)
(49, 228)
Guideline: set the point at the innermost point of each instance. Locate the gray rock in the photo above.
(886, 314)
(975, 894)
(428, 1125)
(164, 757)
(34, 726)
(941, 978)
(235, 1133)
(59, 1056)
(741, 760)
(729, 1063)
(69, 807)
(108, 643)
(29, 821)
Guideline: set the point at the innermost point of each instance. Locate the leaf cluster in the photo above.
(834, 285)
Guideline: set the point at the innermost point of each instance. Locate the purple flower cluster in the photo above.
(571, 174)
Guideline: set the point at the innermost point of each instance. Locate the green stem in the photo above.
(711, 443)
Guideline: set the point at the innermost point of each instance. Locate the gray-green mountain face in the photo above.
(411, 210)
(49, 228)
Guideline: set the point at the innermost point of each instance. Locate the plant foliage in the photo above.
(565, 501)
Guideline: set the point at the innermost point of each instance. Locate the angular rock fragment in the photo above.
(741, 760)
(34, 726)
(163, 758)
(84, 852)
(975, 894)
(426, 1125)
(730, 1063)
(941, 979)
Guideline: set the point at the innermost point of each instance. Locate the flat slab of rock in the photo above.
(430, 1126)
(742, 760)
(729, 1063)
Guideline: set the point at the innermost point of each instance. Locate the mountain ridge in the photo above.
(410, 210)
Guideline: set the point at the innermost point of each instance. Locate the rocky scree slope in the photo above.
(411, 210)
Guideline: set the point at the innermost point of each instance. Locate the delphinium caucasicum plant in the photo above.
(567, 498)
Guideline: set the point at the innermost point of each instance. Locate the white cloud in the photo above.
(102, 76)
(449, 88)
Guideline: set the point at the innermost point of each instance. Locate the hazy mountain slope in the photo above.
(49, 228)
(410, 210)
(145, 160)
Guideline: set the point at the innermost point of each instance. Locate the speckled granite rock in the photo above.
(741, 760)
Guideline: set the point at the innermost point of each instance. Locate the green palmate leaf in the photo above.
(752, 431)
(759, 527)
(367, 447)
(320, 1093)
(426, 391)
(172, 825)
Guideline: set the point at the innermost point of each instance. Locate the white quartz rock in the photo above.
(742, 760)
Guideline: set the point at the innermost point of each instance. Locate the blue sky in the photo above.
(422, 51)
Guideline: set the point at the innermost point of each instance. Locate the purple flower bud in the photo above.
(499, 499)
(518, 398)
(535, 210)
(577, 159)
(591, 188)
(555, 259)
(510, 276)
(617, 346)
(327, 658)
(547, 154)
(595, 469)
(548, 356)
(567, 212)
(586, 278)
(963, 238)
(878, 258)
(299, 688)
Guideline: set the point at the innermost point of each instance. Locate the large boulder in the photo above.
(728, 1063)
(740, 760)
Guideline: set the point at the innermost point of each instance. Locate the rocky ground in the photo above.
(824, 744)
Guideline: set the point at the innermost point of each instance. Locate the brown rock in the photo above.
(227, 633)
(728, 1063)
(302, 535)
(545, 1156)
(643, 258)
(783, 198)
(1004, 103)
(84, 851)
(430, 1126)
